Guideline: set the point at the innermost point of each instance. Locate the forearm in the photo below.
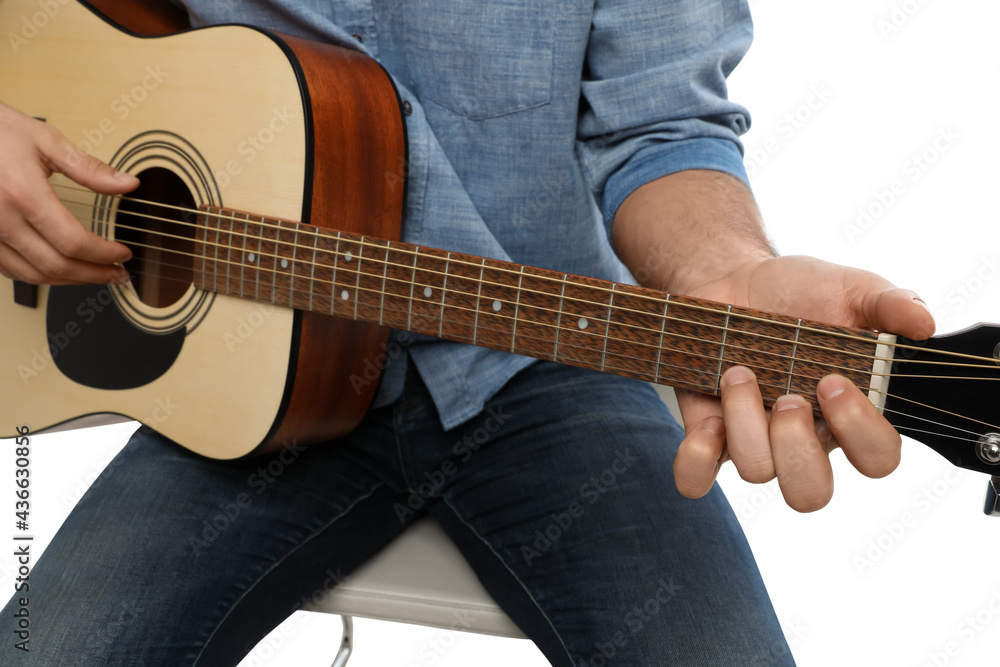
(685, 231)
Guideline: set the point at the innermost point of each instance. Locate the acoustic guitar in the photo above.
(267, 270)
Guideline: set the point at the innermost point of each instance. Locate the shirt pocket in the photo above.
(481, 59)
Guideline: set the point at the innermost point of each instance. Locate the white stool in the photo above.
(422, 578)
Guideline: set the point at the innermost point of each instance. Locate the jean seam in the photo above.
(278, 562)
(527, 592)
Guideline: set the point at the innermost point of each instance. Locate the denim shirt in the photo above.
(532, 120)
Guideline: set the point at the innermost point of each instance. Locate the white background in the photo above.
(851, 584)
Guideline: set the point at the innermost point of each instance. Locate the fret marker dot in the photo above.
(251, 258)
(344, 295)
(497, 306)
(428, 292)
(284, 263)
(349, 256)
(583, 323)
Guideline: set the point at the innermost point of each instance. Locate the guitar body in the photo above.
(228, 116)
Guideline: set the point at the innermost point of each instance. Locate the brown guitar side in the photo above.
(356, 156)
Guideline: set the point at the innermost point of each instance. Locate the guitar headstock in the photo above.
(944, 392)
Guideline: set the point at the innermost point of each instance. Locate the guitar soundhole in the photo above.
(157, 222)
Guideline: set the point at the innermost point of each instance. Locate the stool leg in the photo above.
(346, 642)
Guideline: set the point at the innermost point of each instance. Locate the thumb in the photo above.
(899, 311)
(65, 158)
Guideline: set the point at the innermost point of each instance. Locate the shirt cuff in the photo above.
(669, 157)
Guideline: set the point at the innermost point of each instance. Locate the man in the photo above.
(520, 117)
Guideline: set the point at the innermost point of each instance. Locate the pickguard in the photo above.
(94, 345)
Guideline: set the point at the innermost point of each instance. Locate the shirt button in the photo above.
(358, 37)
(407, 107)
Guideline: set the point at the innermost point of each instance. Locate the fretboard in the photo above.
(615, 328)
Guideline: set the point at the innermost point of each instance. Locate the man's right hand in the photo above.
(40, 240)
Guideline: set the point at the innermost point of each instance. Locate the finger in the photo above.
(870, 443)
(699, 458)
(63, 157)
(61, 231)
(898, 311)
(31, 259)
(801, 464)
(746, 425)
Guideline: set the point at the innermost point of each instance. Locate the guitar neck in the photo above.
(601, 325)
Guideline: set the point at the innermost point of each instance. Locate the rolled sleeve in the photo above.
(655, 94)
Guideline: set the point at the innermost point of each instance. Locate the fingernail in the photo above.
(789, 402)
(831, 386)
(714, 425)
(736, 375)
(918, 300)
(121, 175)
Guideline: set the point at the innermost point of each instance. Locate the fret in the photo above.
(274, 263)
(427, 315)
(497, 307)
(479, 296)
(517, 307)
(444, 292)
(559, 312)
(633, 344)
(215, 266)
(413, 284)
(229, 256)
(762, 344)
(260, 258)
(791, 364)
(291, 267)
(385, 274)
(243, 260)
(663, 331)
(397, 286)
(584, 324)
(722, 349)
(535, 329)
(611, 305)
(819, 353)
(312, 270)
(689, 345)
(357, 278)
(335, 293)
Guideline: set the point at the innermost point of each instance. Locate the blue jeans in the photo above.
(560, 494)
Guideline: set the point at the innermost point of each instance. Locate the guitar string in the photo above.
(308, 231)
(596, 304)
(436, 304)
(604, 321)
(599, 320)
(387, 248)
(709, 388)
